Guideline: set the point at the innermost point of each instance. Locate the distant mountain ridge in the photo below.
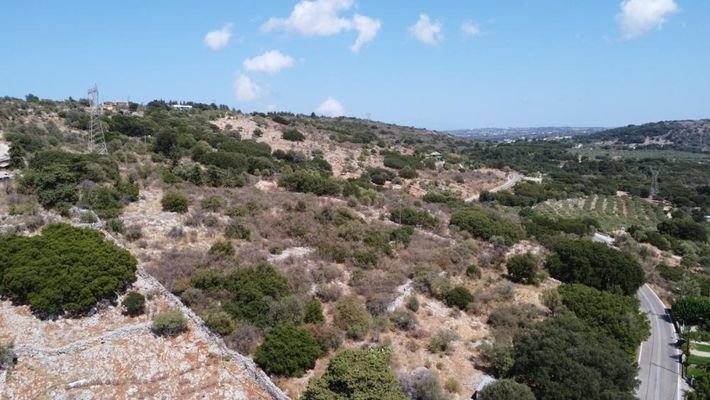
(690, 134)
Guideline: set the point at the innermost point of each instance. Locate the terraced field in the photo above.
(612, 212)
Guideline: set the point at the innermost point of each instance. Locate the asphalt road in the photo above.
(659, 358)
(509, 183)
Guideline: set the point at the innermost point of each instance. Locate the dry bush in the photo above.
(324, 272)
(376, 282)
(329, 292)
(175, 265)
(244, 339)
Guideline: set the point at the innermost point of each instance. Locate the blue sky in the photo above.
(438, 64)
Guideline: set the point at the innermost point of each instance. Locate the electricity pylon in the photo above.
(97, 141)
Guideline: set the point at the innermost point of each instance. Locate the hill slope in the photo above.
(691, 134)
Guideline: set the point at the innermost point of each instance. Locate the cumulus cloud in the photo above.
(331, 108)
(366, 28)
(323, 18)
(640, 16)
(427, 31)
(270, 62)
(470, 29)
(245, 89)
(218, 39)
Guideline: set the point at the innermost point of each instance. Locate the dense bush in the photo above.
(458, 297)
(684, 229)
(408, 173)
(441, 196)
(523, 268)
(563, 358)
(288, 351)
(221, 249)
(485, 224)
(616, 315)
(356, 374)
(412, 217)
(175, 202)
(236, 230)
(506, 389)
(104, 201)
(401, 161)
(309, 182)
(352, 317)
(313, 314)
(134, 304)
(293, 135)
(691, 309)
(251, 290)
(169, 323)
(220, 322)
(595, 265)
(63, 270)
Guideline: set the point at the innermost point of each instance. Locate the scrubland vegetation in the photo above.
(371, 266)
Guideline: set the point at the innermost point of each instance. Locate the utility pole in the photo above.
(97, 141)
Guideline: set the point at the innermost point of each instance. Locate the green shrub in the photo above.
(616, 315)
(309, 182)
(412, 217)
(287, 351)
(175, 202)
(115, 225)
(88, 218)
(356, 374)
(473, 271)
(220, 322)
(673, 274)
(523, 268)
(251, 290)
(134, 304)
(221, 249)
(458, 297)
(104, 201)
(212, 203)
(235, 230)
(544, 359)
(293, 135)
(413, 303)
(485, 224)
(169, 323)
(506, 389)
(595, 265)
(408, 173)
(691, 309)
(313, 314)
(63, 270)
(352, 317)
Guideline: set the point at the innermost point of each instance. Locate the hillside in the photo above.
(686, 134)
(287, 242)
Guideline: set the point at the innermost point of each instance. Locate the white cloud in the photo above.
(322, 18)
(216, 40)
(470, 29)
(245, 89)
(270, 62)
(331, 108)
(427, 31)
(366, 28)
(640, 16)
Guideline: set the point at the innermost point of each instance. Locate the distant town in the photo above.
(507, 134)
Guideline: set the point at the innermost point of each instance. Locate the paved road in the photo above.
(512, 180)
(659, 365)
